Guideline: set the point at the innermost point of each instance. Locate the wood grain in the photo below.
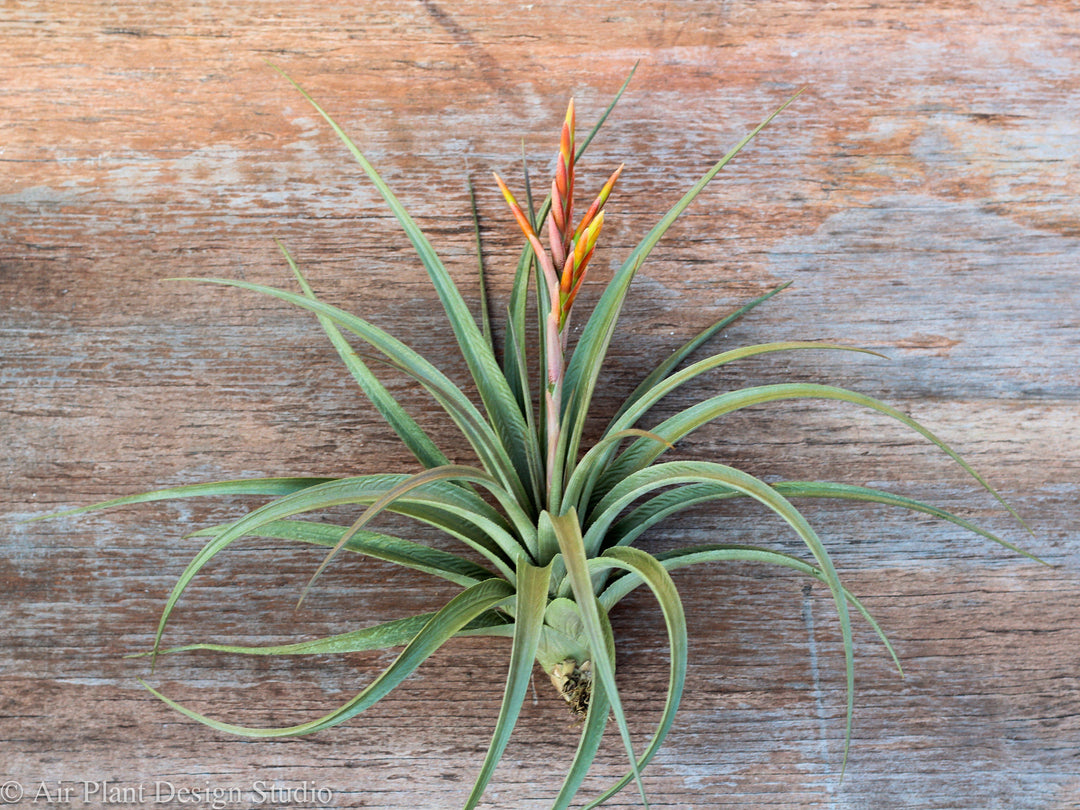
(921, 195)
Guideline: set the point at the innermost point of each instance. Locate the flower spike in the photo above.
(569, 248)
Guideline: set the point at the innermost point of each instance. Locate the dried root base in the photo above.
(574, 682)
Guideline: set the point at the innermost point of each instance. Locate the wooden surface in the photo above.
(921, 195)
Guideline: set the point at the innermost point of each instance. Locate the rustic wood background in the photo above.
(922, 195)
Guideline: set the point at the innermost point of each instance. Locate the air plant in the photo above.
(553, 543)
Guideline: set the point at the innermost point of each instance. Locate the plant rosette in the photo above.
(552, 544)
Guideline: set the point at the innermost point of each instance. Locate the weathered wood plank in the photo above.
(921, 195)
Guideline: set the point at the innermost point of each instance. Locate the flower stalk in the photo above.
(563, 269)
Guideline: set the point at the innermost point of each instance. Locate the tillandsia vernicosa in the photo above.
(553, 547)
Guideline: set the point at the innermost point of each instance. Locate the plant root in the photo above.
(574, 682)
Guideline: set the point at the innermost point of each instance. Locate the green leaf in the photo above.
(642, 453)
(465, 415)
(684, 557)
(385, 547)
(589, 469)
(820, 489)
(520, 376)
(242, 486)
(666, 386)
(494, 391)
(410, 433)
(481, 281)
(595, 621)
(648, 569)
(515, 353)
(648, 514)
(563, 616)
(456, 615)
(607, 112)
(668, 365)
(396, 633)
(546, 539)
(529, 603)
(591, 735)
